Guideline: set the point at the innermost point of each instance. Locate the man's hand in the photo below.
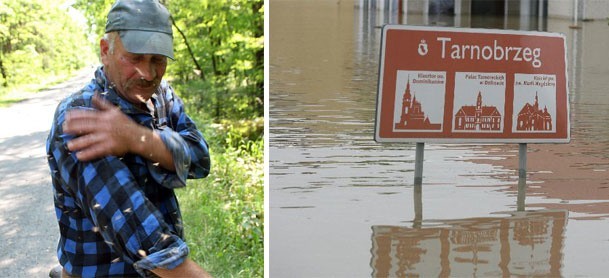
(100, 133)
(187, 269)
(108, 131)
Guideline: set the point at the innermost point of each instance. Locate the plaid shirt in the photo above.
(119, 216)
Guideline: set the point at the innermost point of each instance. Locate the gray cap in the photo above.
(144, 25)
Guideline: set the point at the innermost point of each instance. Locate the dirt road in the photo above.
(28, 229)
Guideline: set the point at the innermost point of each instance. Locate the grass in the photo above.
(223, 213)
(6, 101)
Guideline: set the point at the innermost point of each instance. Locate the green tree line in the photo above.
(29, 46)
(218, 52)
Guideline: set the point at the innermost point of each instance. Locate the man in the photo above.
(118, 148)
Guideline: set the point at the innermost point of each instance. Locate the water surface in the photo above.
(343, 205)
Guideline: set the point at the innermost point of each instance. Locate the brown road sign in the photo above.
(457, 85)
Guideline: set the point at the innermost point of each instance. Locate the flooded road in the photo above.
(343, 205)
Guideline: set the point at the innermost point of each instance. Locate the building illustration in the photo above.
(412, 114)
(531, 118)
(478, 117)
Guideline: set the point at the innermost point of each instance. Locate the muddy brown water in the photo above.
(342, 205)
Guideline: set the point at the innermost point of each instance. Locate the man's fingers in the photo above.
(82, 142)
(78, 126)
(80, 121)
(81, 113)
(89, 147)
(91, 153)
(100, 103)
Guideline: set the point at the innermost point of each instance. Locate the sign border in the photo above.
(381, 73)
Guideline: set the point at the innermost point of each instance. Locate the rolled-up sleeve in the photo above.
(169, 258)
(179, 150)
(190, 151)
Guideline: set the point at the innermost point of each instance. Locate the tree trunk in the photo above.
(4, 75)
(192, 55)
(259, 63)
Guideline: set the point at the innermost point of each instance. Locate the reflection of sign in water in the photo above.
(421, 103)
(525, 244)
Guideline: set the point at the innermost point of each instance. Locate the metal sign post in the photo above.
(418, 183)
(418, 164)
(522, 176)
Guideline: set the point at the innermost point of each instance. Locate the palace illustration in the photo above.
(533, 118)
(478, 117)
(412, 115)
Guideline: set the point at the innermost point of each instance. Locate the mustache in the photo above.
(145, 83)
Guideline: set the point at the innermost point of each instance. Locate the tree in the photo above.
(218, 44)
(222, 45)
(38, 38)
(95, 12)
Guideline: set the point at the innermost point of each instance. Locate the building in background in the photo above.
(532, 14)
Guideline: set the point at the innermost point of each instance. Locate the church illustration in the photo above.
(412, 115)
(531, 118)
(478, 117)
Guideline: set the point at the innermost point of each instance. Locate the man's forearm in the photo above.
(187, 269)
(148, 144)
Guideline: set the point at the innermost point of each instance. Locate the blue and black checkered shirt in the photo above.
(119, 216)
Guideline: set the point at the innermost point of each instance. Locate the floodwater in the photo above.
(342, 205)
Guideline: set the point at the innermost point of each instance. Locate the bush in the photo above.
(224, 213)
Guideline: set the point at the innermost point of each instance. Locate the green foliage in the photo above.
(38, 39)
(95, 12)
(218, 103)
(224, 213)
(224, 216)
(219, 45)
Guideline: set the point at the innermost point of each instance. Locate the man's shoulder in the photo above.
(81, 98)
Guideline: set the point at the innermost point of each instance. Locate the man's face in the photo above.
(135, 76)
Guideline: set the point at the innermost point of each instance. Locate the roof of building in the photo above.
(470, 110)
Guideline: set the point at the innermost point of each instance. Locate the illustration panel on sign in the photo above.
(534, 103)
(479, 102)
(419, 101)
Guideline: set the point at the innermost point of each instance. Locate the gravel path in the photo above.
(28, 229)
